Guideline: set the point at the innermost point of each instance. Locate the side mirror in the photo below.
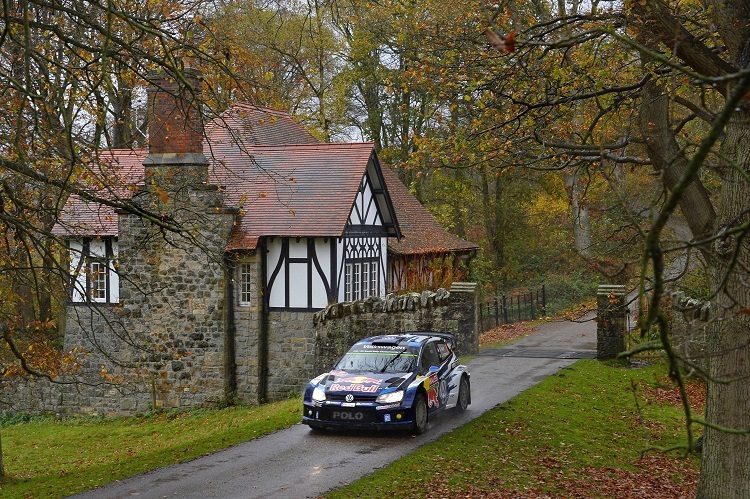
(432, 369)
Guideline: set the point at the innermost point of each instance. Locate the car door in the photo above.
(435, 383)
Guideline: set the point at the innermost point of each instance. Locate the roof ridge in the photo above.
(316, 145)
(249, 105)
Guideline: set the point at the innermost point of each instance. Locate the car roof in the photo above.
(412, 338)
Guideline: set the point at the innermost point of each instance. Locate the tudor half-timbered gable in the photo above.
(321, 216)
(365, 248)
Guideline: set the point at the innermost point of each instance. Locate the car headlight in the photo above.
(318, 395)
(390, 397)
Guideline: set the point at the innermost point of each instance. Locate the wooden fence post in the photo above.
(518, 302)
(505, 309)
(497, 313)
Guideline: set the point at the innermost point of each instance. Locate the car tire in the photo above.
(420, 414)
(464, 395)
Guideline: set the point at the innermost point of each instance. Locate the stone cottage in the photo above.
(196, 265)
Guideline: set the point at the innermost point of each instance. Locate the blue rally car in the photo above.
(395, 381)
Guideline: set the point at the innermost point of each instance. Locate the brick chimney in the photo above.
(175, 129)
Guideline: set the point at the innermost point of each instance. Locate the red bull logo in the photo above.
(432, 398)
(431, 385)
(362, 384)
(340, 387)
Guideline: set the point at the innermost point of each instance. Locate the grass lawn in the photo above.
(55, 459)
(580, 433)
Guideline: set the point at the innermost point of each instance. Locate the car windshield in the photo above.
(372, 358)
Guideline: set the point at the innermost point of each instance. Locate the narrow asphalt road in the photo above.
(296, 463)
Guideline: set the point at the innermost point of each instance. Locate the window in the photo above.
(384, 359)
(366, 276)
(245, 283)
(361, 280)
(356, 284)
(93, 274)
(369, 279)
(443, 350)
(429, 357)
(98, 277)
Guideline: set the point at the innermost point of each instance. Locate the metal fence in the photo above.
(513, 307)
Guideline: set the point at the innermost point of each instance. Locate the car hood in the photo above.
(364, 383)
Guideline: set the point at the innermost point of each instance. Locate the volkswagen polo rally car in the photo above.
(395, 381)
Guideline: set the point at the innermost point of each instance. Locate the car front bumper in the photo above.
(361, 416)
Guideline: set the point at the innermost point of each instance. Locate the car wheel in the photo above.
(464, 395)
(420, 414)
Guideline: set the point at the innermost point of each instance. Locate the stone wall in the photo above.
(87, 391)
(173, 310)
(166, 344)
(184, 366)
(689, 319)
(99, 329)
(247, 328)
(291, 353)
(340, 325)
(611, 320)
(33, 396)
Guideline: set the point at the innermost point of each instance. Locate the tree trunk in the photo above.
(669, 160)
(123, 125)
(494, 221)
(725, 467)
(580, 212)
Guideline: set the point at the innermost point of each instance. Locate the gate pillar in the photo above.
(611, 325)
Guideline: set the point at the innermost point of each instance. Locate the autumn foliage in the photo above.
(36, 351)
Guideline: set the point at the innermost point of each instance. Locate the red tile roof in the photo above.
(246, 125)
(285, 182)
(115, 172)
(291, 190)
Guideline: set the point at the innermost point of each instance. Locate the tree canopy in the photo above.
(610, 135)
(72, 75)
(636, 109)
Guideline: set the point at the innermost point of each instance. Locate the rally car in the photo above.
(395, 381)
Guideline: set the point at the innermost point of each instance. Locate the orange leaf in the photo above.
(501, 44)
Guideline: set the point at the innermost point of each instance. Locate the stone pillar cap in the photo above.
(465, 287)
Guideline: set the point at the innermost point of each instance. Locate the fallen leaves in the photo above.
(656, 477)
(667, 393)
(505, 333)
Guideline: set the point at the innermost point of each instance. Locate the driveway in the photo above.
(296, 463)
